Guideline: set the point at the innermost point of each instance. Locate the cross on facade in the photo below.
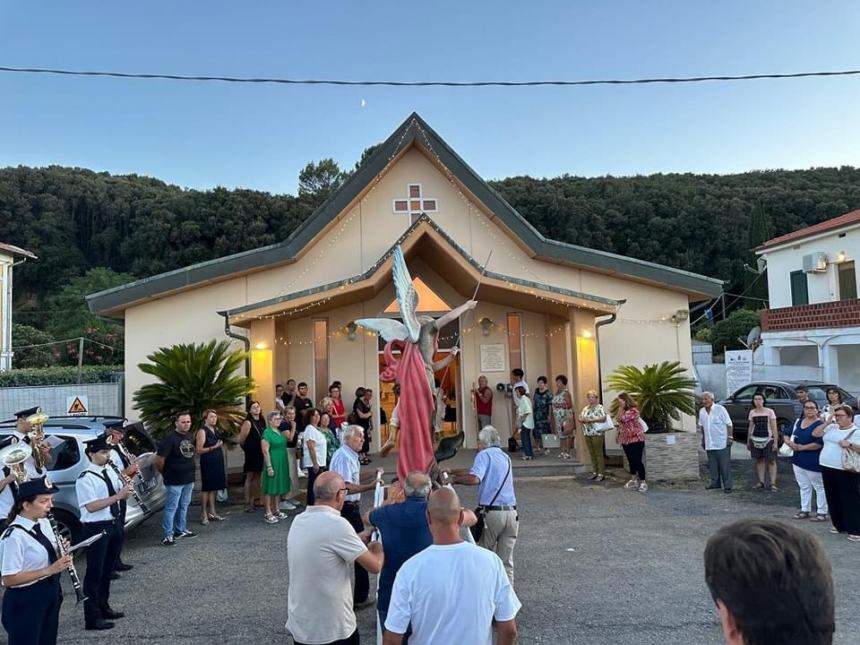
(415, 202)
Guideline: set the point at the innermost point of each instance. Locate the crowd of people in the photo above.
(822, 443)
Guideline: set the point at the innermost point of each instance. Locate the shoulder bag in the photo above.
(478, 528)
(850, 459)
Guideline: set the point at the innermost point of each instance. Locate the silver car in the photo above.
(66, 436)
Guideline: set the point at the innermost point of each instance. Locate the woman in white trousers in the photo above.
(807, 470)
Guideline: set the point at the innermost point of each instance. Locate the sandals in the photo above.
(204, 521)
(759, 486)
(854, 538)
(215, 517)
(818, 518)
(773, 488)
(802, 515)
(600, 478)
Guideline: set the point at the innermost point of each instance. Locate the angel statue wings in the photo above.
(417, 339)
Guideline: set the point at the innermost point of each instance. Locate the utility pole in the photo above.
(80, 358)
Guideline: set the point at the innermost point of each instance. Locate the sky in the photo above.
(200, 135)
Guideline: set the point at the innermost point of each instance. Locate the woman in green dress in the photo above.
(276, 471)
(331, 441)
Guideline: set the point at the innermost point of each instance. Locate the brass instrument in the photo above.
(14, 456)
(37, 437)
(125, 479)
(61, 552)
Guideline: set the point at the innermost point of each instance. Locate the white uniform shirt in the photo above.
(346, 464)
(90, 487)
(450, 593)
(7, 497)
(312, 433)
(715, 426)
(20, 551)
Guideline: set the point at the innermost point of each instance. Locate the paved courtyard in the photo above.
(594, 564)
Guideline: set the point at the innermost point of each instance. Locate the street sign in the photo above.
(77, 405)
(738, 369)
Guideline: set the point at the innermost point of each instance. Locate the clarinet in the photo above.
(125, 479)
(61, 551)
(132, 459)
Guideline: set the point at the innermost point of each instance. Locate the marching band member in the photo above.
(116, 430)
(99, 495)
(22, 431)
(30, 567)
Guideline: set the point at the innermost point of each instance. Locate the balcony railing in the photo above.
(823, 315)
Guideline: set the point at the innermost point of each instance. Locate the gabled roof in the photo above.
(816, 229)
(11, 249)
(418, 229)
(414, 131)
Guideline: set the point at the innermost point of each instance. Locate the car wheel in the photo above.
(68, 526)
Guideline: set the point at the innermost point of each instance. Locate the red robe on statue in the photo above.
(414, 408)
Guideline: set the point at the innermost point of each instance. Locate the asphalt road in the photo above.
(594, 564)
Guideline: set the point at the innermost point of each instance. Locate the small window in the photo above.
(746, 393)
(799, 289)
(320, 359)
(847, 281)
(136, 441)
(64, 452)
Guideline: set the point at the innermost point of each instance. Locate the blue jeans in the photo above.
(526, 439)
(176, 508)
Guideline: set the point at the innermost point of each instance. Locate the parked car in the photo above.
(781, 398)
(66, 436)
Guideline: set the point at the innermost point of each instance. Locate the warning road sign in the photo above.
(77, 405)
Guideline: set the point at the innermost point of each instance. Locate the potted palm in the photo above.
(664, 392)
(194, 378)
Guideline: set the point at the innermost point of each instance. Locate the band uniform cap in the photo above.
(33, 487)
(98, 444)
(114, 425)
(23, 414)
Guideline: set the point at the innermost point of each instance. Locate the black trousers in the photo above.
(352, 639)
(635, 454)
(31, 614)
(351, 512)
(842, 488)
(101, 557)
(123, 507)
(312, 477)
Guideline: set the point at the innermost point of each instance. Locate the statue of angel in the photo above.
(417, 339)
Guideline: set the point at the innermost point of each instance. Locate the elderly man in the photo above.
(491, 472)
(771, 583)
(321, 550)
(345, 462)
(716, 426)
(404, 531)
(452, 591)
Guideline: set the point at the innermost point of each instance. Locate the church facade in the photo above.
(544, 306)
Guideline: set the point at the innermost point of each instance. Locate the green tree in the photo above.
(23, 336)
(662, 392)
(365, 154)
(759, 233)
(726, 333)
(70, 317)
(194, 378)
(320, 179)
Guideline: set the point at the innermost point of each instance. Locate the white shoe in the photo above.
(287, 505)
(301, 473)
(643, 487)
(633, 483)
(270, 519)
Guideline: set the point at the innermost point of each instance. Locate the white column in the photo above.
(829, 361)
(6, 316)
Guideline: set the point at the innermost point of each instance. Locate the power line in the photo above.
(307, 81)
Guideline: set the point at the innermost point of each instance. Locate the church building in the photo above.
(544, 306)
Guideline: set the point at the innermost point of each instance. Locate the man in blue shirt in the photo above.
(405, 532)
(491, 473)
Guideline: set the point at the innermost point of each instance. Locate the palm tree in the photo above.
(193, 378)
(662, 391)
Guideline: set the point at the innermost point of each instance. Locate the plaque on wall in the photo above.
(493, 357)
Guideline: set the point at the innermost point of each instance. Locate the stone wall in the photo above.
(678, 461)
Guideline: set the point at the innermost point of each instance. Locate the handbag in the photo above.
(850, 459)
(604, 426)
(512, 444)
(478, 527)
(643, 425)
(785, 450)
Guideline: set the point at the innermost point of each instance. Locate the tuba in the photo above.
(13, 458)
(37, 438)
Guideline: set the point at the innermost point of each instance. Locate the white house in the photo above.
(814, 317)
(9, 257)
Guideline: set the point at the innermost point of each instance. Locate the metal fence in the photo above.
(57, 400)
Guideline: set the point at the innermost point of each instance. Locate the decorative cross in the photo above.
(415, 202)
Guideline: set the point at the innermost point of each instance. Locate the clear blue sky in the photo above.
(203, 135)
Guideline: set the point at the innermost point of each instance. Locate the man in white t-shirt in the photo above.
(321, 550)
(452, 591)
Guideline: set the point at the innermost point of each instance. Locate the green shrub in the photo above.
(725, 333)
(25, 356)
(59, 375)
